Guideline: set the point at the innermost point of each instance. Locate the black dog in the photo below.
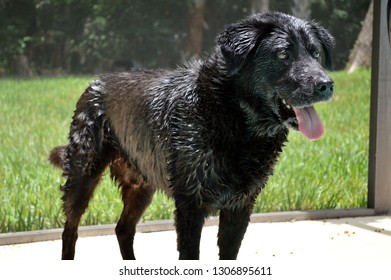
(208, 134)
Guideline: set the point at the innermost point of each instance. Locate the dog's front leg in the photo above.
(189, 220)
(232, 227)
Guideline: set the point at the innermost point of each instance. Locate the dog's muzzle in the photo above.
(306, 119)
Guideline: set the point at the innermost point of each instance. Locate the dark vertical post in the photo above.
(379, 177)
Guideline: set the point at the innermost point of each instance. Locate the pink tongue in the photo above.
(309, 122)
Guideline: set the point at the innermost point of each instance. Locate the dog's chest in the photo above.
(236, 177)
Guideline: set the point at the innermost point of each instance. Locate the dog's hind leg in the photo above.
(78, 191)
(136, 196)
(76, 197)
(83, 161)
(232, 227)
(77, 194)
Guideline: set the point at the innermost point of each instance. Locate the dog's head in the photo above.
(279, 57)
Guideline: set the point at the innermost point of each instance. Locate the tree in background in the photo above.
(301, 8)
(197, 25)
(152, 32)
(17, 29)
(91, 36)
(260, 6)
(361, 54)
(344, 20)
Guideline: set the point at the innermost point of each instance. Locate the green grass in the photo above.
(35, 116)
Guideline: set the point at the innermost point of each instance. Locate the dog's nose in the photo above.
(325, 88)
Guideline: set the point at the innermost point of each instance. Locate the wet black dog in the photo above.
(208, 134)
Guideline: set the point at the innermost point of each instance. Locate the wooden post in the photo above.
(379, 177)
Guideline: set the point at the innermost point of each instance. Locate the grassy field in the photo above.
(35, 115)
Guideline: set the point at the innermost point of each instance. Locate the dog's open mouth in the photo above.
(304, 119)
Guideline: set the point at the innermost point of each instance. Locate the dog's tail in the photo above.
(56, 156)
(80, 157)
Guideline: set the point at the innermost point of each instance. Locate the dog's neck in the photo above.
(260, 122)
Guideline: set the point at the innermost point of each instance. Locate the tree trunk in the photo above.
(259, 6)
(67, 54)
(301, 8)
(360, 56)
(22, 67)
(197, 25)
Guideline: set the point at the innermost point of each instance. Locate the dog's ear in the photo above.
(327, 41)
(238, 40)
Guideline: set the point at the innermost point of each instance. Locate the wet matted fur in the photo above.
(208, 134)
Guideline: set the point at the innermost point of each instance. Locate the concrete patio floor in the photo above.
(352, 241)
(350, 238)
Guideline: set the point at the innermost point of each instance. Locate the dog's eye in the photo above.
(316, 54)
(283, 54)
